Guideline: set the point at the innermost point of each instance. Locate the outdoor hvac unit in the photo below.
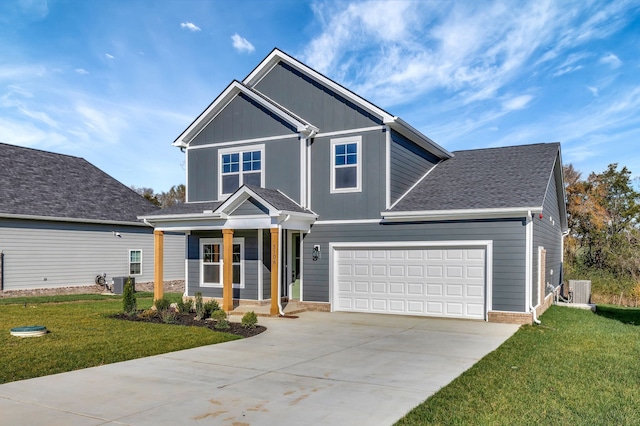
(119, 282)
(581, 290)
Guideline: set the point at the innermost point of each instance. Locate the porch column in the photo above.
(158, 264)
(227, 270)
(275, 250)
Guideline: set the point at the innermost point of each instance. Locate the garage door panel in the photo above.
(412, 281)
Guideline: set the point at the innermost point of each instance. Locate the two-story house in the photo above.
(299, 188)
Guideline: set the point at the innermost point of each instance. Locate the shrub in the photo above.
(168, 316)
(219, 315)
(162, 305)
(129, 304)
(199, 306)
(185, 306)
(210, 307)
(147, 313)
(249, 320)
(222, 324)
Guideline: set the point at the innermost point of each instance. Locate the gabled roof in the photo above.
(233, 90)
(394, 122)
(38, 184)
(513, 178)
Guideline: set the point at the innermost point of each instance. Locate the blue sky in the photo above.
(116, 81)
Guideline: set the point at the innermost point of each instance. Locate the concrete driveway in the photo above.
(322, 368)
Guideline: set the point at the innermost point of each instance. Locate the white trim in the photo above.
(427, 215)
(241, 142)
(414, 185)
(359, 166)
(186, 179)
(240, 151)
(346, 222)
(528, 262)
(301, 269)
(129, 262)
(387, 174)
(486, 244)
(220, 241)
(308, 171)
(303, 172)
(540, 249)
(260, 263)
(350, 131)
(186, 273)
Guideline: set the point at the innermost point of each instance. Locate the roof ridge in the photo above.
(509, 147)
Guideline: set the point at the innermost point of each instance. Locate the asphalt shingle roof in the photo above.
(41, 183)
(514, 176)
(186, 208)
(278, 200)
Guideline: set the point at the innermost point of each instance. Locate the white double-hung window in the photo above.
(240, 166)
(211, 258)
(346, 164)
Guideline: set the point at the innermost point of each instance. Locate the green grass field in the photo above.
(576, 368)
(81, 335)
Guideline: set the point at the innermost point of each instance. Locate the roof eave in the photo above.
(459, 214)
(70, 219)
(405, 129)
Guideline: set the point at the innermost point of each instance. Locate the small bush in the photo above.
(168, 316)
(249, 320)
(147, 313)
(199, 306)
(185, 306)
(162, 305)
(222, 324)
(219, 315)
(210, 307)
(129, 303)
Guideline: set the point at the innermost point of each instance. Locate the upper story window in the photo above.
(239, 166)
(346, 164)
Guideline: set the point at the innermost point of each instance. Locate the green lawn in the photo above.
(576, 368)
(81, 335)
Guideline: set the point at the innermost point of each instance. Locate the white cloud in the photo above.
(190, 26)
(517, 103)
(593, 90)
(241, 44)
(611, 60)
(109, 56)
(81, 71)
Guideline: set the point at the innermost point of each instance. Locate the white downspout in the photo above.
(529, 266)
(280, 309)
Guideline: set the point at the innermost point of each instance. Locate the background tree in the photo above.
(175, 195)
(147, 193)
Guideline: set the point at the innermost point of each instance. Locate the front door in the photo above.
(294, 266)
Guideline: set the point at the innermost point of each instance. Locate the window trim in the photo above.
(343, 141)
(238, 240)
(239, 150)
(129, 261)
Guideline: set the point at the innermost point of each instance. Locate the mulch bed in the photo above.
(189, 320)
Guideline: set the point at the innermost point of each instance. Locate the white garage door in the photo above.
(447, 282)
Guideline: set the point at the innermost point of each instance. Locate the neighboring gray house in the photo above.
(300, 188)
(63, 221)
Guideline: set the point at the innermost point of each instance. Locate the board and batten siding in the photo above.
(312, 101)
(281, 168)
(40, 254)
(251, 265)
(508, 236)
(366, 204)
(409, 163)
(547, 233)
(242, 119)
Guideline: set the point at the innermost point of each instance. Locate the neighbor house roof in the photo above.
(514, 177)
(37, 184)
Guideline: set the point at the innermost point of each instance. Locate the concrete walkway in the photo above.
(321, 368)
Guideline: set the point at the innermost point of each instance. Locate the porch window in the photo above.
(346, 165)
(211, 261)
(135, 262)
(239, 167)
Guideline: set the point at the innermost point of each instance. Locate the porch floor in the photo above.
(291, 307)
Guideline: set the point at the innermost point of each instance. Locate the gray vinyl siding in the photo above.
(408, 164)
(242, 119)
(547, 233)
(281, 167)
(41, 254)
(366, 204)
(251, 265)
(312, 101)
(508, 238)
(250, 207)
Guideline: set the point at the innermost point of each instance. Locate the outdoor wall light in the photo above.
(316, 252)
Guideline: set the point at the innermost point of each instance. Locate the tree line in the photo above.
(604, 233)
(175, 195)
